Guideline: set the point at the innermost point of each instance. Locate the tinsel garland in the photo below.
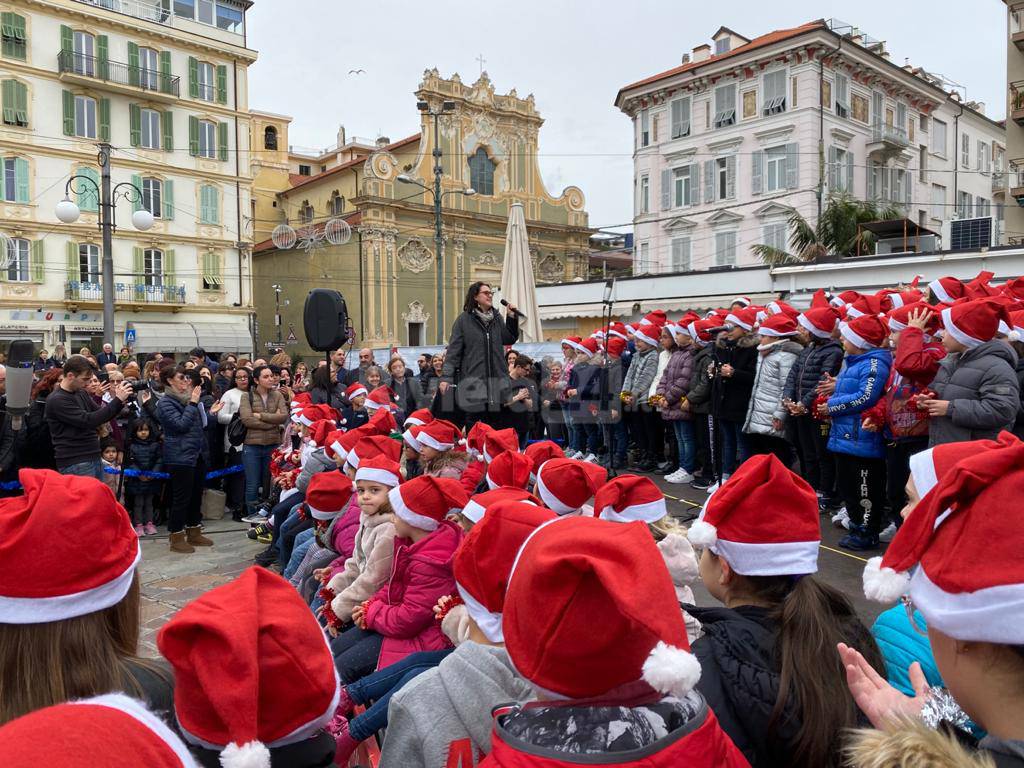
(940, 707)
(450, 603)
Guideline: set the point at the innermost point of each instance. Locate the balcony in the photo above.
(139, 9)
(168, 294)
(887, 141)
(1017, 27)
(1016, 181)
(1017, 102)
(116, 76)
(999, 182)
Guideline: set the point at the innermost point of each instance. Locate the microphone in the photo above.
(19, 380)
(718, 330)
(516, 311)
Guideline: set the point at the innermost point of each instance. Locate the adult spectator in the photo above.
(200, 358)
(225, 378)
(264, 416)
(43, 362)
(106, 357)
(75, 418)
(338, 370)
(37, 450)
(522, 398)
(359, 374)
(300, 377)
(231, 402)
(124, 357)
(184, 421)
(60, 356)
(3, 388)
(406, 389)
(433, 379)
(325, 390)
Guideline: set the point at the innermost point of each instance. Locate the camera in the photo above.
(139, 386)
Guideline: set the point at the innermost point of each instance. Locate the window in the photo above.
(645, 195)
(206, 78)
(337, 205)
(185, 8)
(15, 103)
(12, 32)
(965, 151)
(901, 116)
(481, 172)
(722, 45)
(9, 179)
(645, 128)
(840, 172)
(207, 139)
(964, 205)
(680, 118)
(152, 196)
(18, 263)
(212, 280)
(842, 95)
(725, 106)
(681, 254)
(774, 96)
(270, 137)
(984, 157)
(643, 255)
(305, 212)
(149, 124)
(149, 68)
(775, 169)
(153, 267)
(939, 137)
(14, 180)
(682, 184)
(774, 235)
(899, 186)
(938, 201)
(204, 10)
(305, 170)
(85, 117)
(877, 107)
(84, 53)
(721, 178)
(229, 18)
(922, 124)
(88, 263)
(209, 205)
(725, 249)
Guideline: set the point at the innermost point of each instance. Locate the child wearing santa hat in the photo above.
(353, 410)
(699, 398)
(765, 669)
(584, 392)
(766, 415)
(636, 390)
(440, 449)
(975, 621)
(735, 361)
(675, 408)
(619, 696)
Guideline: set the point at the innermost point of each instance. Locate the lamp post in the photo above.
(68, 212)
(277, 311)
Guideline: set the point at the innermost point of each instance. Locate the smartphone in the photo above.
(103, 376)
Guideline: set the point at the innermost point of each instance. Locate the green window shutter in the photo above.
(104, 119)
(168, 199)
(74, 270)
(167, 124)
(204, 205)
(103, 56)
(20, 103)
(67, 41)
(138, 267)
(137, 199)
(193, 135)
(38, 258)
(15, 39)
(193, 77)
(222, 84)
(133, 64)
(9, 99)
(135, 124)
(69, 113)
(87, 199)
(165, 71)
(7, 30)
(222, 141)
(21, 180)
(169, 267)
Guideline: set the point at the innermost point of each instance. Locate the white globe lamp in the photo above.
(67, 212)
(142, 220)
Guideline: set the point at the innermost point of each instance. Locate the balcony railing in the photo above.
(125, 293)
(140, 9)
(117, 73)
(998, 181)
(891, 134)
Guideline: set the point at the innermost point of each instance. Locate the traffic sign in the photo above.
(129, 336)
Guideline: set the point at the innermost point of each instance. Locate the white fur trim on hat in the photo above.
(401, 509)
(138, 711)
(551, 501)
(642, 335)
(855, 338)
(411, 441)
(940, 292)
(491, 485)
(619, 334)
(651, 512)
(702, 534)
(789, 558)
(474, 511)
(883, 585)
(322, 514)
(741, 300)
(762, 331)
(985, 615)
(352, 459)
(252, 755)
(376, 475)
(488, 621)
(733, 320)
(922, 470)
(896, 326)
(812, 328)
(947, 321)
(671, 670)
(430, 442)
(414, 421)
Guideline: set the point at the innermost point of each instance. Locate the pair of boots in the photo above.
(338, 728)
(185, 542)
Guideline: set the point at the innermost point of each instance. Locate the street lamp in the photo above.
(68, 212)
(277, 310)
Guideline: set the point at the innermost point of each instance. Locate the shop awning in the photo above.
(218, 337)
(626, 308)
(183, 337)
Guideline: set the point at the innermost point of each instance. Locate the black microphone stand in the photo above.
(606, 409)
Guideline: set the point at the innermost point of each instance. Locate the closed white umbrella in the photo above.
(517, 284)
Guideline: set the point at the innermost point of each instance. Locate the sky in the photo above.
(573, 56)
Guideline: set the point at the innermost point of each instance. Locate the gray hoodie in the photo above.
(448, 709)
(983, 393)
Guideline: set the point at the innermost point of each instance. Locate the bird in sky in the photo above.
(357, 71)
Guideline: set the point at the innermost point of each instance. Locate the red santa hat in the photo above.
(615, 346)
(657, 317)
(1014, 288)
(483, 562)
(866, 331)
(439, 434)
(929, 466)
(565, 485)
(498, 441)
(67, 549)
(373, 445)
(744, 318)
(742, 300)
(418, 418)
(649, 333)
(301, 400)
(947, 536)
(348, 442)
(973, 323)
(356, 390)
(764, 521)
(629, 498)
(898, 317)
(479, 503)
(382, 422)
(779, 326)
(380, 469)
(510, 469)
(819, 299)
(1016, 326)
(700, 331)
(411, 438)
(380, 398)
(779, 307)
(319, 431)
(590, 346)
(540, 452)
(844, 298)
(618, 330)
(475, 438)
(573, 342)
(314, 413)
(79, 734)
(328, 494)
(869, 305)
(947, 289)
(252, 670)
(567, 567)
(980, 287)
(332, 444)
(424, 501)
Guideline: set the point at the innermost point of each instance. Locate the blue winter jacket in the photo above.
(184, 438)
(859, 386)
(901, 645)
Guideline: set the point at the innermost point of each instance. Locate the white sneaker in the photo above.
(841, 519)
(679, 477)
(888, 533)
(671, 476)
(714, 487)
(590, 458)
(574, 455)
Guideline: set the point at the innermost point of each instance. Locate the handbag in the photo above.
(236, 429)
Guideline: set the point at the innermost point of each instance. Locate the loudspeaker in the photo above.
(325, 319)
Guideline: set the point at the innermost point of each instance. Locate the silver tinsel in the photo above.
(941, 707)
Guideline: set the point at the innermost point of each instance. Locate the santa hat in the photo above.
(540, 452)
(744, 318)
(1016, 326)
(356, 390)
(418, 418)
(380, 469)
(764, 521)
(475, 438)
(929, 466)
(844, 298)
(866, 331)
(973, 323)
(319, 431)
(76, 734)
(67, 549)
(573, 342)
(699, 331)
(819, 299)
(567, 567)
(483, 562)
(589, 346)
(565, 485)
(332, 444)
(348, 441)
(779, 326)
(380, 398)
(629, 498)
(314, 413)
(980, 287)
(382, 422)
(300, 401)
(615, 346)
(947, 289)
(510, 469)
(1014, 288)
(657, 317)
(328, 494)
(899, 317)
(498, 441)
(618, 330)
(649, 333)
(479, 503)
(424, 501)
(373, 445)
(779, 307)
(949, 535)
(742, 300)
(869, 305)
(439, 434)
(252, 670)
(411, 438)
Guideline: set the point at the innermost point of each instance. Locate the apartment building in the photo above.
(745, 131)
(1015, 121)
(164, 84)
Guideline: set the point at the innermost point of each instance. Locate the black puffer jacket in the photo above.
(475, 360)
(819, 357)
(700, 385)
(146, 455)
(730, 397)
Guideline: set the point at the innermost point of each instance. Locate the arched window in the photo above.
(337, 205)
(270, 137)
(481, 172)
(306, 212)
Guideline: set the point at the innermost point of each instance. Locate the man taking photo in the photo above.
(74, 419)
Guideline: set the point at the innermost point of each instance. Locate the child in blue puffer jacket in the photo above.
(861, 469)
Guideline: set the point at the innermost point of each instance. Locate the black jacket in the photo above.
(314, 752)
(37, 448)
(74, 419)
(408, 394)
(103, 359)
(730, 397)
(475, 360)
(147, 456)
(819, 357)
(335, 398)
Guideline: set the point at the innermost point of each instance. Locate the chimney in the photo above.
(701, 53)
(382, 141)
(341, 136)
(686, 58)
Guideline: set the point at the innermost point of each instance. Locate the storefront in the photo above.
(47, 327)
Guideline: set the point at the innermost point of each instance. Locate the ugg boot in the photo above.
(178, 544)
(346, 743)
(195, 536)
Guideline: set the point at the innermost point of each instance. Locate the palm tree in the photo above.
(837, 232)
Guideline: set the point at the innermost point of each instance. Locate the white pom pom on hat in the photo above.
(251, 755)
(671, 670)
(884, 584)
(702, 534)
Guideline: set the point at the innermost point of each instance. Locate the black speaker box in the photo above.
(325, 319)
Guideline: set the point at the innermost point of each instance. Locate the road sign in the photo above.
(129, 336)
(292, 338)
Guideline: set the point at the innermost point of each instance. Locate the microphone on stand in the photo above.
(514, 310)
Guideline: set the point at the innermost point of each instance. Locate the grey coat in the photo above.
(640, 375)
(983, 393)
(773, 367)
(317, 462)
